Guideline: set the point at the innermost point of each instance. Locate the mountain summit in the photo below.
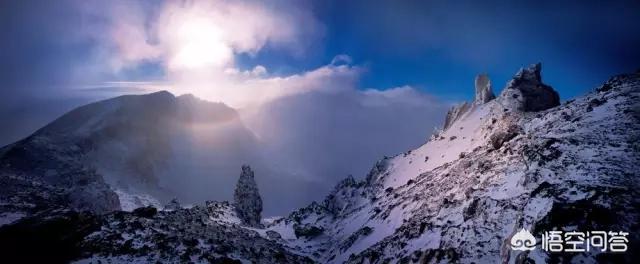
(122, 152)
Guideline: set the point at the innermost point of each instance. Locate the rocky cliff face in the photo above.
(247, 201)
(459, 198)
(209, 233)
(455, 113)
(97, 156)
(465, 193)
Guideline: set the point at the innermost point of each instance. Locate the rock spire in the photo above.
(247, 201)
(526, 92)
(484, 93)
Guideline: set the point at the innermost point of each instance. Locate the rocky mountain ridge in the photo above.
(521, 160)
(104, 156)
(562, 167)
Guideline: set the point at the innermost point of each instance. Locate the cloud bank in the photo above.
(314, 126)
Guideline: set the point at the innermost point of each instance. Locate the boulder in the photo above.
(146, 212)
(273, 235)
(498, 138)
(307, 231)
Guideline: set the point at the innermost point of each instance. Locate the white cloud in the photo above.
(197, 42)
(130, 38)
(341, 59)
(315, 126)
(203, 33)
(404, 95)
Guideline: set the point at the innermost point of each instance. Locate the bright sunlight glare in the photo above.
(200, 44)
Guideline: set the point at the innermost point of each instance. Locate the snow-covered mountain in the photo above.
(520, 160)
(126, 152)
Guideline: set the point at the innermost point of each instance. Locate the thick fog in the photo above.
(316, 139)
(300, 146)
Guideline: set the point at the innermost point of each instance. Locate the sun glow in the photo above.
(199, 43)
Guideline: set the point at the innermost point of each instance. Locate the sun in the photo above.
(199, 43)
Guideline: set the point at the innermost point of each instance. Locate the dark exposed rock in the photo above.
(53, 172)
(50, 238)
(247, 199)
(362, 232)
(455, 113)
(273, 234)
(225, 260)
(526, 92)
(180, 236)
(307, 231)
(502, 136)
(173, 205)
(146, 212)
(335, 202)
(596, 102)
(470, 211)
(440, 255)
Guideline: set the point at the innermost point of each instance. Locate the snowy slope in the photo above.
(518, 170)
(520, 160)
(124, 153)
(468, 133)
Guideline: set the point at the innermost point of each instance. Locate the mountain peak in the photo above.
(527, 93)
(531, 72)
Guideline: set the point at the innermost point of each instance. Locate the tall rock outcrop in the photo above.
(246, 197)
(455, 113)
(526, 92)
(484, 93)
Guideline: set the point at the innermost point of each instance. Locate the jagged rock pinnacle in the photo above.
(484, 93)
(454, 113)
(526, 92)
(247, 201)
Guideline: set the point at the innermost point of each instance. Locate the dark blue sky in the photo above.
(437, 47)
(440, 46)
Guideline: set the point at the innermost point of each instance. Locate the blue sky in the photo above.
(440, 47)
(362, 79)
(437, 46)
(48, 49)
